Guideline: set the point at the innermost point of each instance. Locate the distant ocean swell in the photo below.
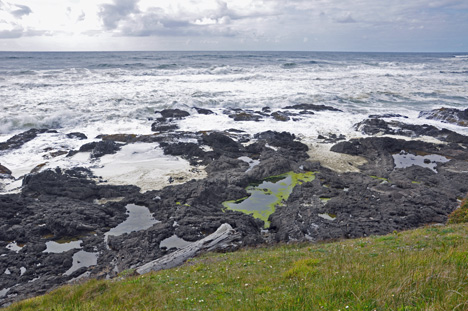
(68, 90)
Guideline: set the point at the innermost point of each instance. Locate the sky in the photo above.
(291, 25)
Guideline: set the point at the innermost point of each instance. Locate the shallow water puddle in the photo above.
(252, 163)
(82, 259)
(139, 218)
(327, 216)
(174, 242)
(54, 247)
(13, 246)
(266, 196)
(404, 160)
(4, 292)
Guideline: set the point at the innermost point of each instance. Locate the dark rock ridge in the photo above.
(378, 200)
(332, 138)
(203, 111)
(4, 172)
(77, 135)
(244, 115)
(312, 107)
(167, 122)
(279, 116)
(282, 116)
(173, 113)
(386, 116)
(58, 205)
(98, 149)
(448, 115)
(379, 126)
(18, 140)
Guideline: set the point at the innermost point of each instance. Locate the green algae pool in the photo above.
(268, 194)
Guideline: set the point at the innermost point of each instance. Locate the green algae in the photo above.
(380, 178)
(267, 194)
(324, 199)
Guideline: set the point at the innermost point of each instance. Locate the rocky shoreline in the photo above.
(401, 182)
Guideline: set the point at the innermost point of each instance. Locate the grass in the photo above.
(423, 269)
(460, 215)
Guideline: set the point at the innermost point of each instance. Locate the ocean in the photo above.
(118, 92)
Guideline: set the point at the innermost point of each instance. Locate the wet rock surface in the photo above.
(18, 140)
(295, 113)
(4, 172)
(67, 206)
(173, 113)
(380, 199)
(448, 115)
(203, 111)
(312, 107)
(77, 135)
(378, 126)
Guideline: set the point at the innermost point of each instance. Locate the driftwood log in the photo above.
(220, 239)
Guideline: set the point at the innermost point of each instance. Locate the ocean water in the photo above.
(118, 92)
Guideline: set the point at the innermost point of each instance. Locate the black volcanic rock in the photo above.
(381, 198)
(105, 147)
(246, 116)
(189, 151)
(448, 115)
(283, 140)
(4, 171)
(98, 149)
(222, 144)
(279, 116)
(173, 113)
(75, 183)
(62, 204)
(203, 111)
(18, 140)
(77, 135)
(379, 126)
(308, 107)
(387, 115)
(157, 127)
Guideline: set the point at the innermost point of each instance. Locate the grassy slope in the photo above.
(424, 269)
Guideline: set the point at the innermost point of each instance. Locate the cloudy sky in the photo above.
(316, 25)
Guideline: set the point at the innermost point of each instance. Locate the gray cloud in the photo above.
(220, 20)
(262, 24)
(112, 14)
(11, 34)
(81, 17)
(345, 19)
(21, 11)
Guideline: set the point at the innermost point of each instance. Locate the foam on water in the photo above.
(146, 166)
(82, 89)
(109, 93)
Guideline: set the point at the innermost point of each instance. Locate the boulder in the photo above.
(447, 115)
(77, 135)
(173, 113)
(308, 107)
(19, 140)
(203, 111)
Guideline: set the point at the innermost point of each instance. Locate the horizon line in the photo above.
(230, 51)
